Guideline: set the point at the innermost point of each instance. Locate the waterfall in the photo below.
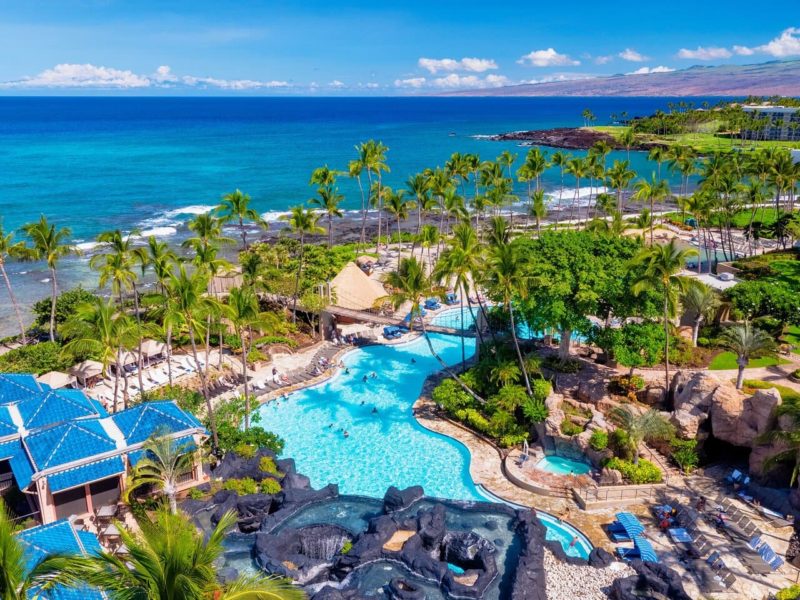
(322, 547)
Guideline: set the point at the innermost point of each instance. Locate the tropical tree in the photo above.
(619, 177)
(538, 209)
(410, 284)
(399, 207)
(235, 206)
(160, 467)
(746, 342)
(651, 191)
(640, 427)
(302, 222)
(328, 199)
(660, 267)
(49, 244)
(11, 249)
(169, 560)
(788, 439)
(376, 165)
(161, 258)
(628, 140)
(560, 160)
(703, 302)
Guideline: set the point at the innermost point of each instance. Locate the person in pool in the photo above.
(365, 379)
(574, 541)
(413, 361)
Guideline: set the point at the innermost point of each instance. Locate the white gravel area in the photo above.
(587, 583)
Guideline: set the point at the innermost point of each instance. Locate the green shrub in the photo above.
(562, 365)
(541, 389)
(644, 472)
(245, 450)
(66, 303)
(508, 398)
(274, 339)
(243, 487)
(501, 423)
(267, 465)
(796, 373)
(270, 486)
(474, 419)
(569, 428)
(625, 384)
(512, 439)
(620, 444)
(346, 547)
(195, 494)
(535, 410)
(188, 399)
(36, 359)
(703, 342)
(451, 397)
(790, 593)
(684, 453)
(599, 440)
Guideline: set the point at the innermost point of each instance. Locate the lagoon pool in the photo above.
(563, 466)
(451, 317)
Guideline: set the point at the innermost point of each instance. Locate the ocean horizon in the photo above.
(151, 163)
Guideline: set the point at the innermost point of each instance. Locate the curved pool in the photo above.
(563, 466)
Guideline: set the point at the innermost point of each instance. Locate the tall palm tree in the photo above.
(418, 188)
(399, 207)
(169, 560)
(207, 230)
(99, 329)
(429, 236)
(560, 160)
(661, 265)
(620, 176)
(628, 140)
(703, 301)
(651, 191)
(162, 259)
(49, 244)
(302, 222)
(355, 168)
(235, 206)
(376, 165)
(640, 427)
(328, 199)
(410, 284)
(659, 155)
(11, 249)
(162, 464)
(746, 342)
(577, 167)
(505, 276)
(538, 209)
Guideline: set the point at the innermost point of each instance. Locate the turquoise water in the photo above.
(563, 466)
(451, 317)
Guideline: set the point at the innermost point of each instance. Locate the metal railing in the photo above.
(612, 493)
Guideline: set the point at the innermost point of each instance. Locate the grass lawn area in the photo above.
(787, 271)
(787, 393)
(725, 361)
(792, 336)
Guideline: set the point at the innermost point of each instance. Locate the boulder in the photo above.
(739, 419)
(692, 401)
(591, 390)
(400, 589)
(528, 582)
(432, 527)
(304, 496)
(600, 558)
(396, 499)
(234, 466)
(252, 509)
(653, 395)
(610, 477)
(651, 579)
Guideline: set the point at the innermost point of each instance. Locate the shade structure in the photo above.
(153, 348)
(56, 379)
(365, 260)
(630, 523)
(353, 289)
(87, 370)
(646, 552)
(126, 358)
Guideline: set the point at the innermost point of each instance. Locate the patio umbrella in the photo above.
(56, 379)
(630, 523)
(646, 552)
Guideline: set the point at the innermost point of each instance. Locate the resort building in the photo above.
(773, 123)
(62, 454)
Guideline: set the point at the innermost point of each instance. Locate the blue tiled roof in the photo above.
(94, 471)
(20, 465)
(143, 420)
(67, 442)
(57, 406)
(15, 387)
(185, 442)
(58, 538)
(7, 426)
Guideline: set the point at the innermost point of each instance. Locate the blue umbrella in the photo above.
(630, 523)
(646, 551)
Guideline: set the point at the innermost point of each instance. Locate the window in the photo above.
(71, 502)
(104, 492)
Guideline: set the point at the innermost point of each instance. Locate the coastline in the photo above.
(566, 138)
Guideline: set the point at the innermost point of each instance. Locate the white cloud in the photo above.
(702, 53)
(786, 44)
(559, 77)
(411, 82)
(83, 76)
(603, 60)
(547, 58)
(648, 70)
(336, 84)
(472, 65)
(370, 86)
(632, 55)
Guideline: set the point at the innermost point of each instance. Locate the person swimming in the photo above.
(347, 371)
(374, 375)
(346, 434)
(413, 361)
(365, 379)
(573, 542)
(374, 410)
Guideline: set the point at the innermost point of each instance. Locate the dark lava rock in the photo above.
(295, 481)
(306, 496)
(252, 509)
(226, 506)
(652, 580)
(600, 558)
(400, 589)
(462, 548)
(396, 499)
(529, 579)
(234, 466)
(227, 574)
(419, 559)
(432, 527)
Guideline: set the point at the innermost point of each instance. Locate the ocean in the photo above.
(98, 163)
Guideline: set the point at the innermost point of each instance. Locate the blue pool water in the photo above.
(451, 317)
(563, 466)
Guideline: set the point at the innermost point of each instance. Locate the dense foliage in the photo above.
(66, 304)
(38, 359)
(643, 472)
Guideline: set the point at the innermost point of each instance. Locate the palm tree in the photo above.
(328, 199)
(162, 258)
(703, 301)
(560, 160)
(50, 245)
(655, 189)
(628, 139)
(355, 169)
(661, 265)
(428, 237)
(169, 560)
(376, 164)
(235, 206)
(538, 209)
(398, 206)
(162, 464)
(207, 231)
(619, 177)
(577, 167)
(99, 329)
(409, 283)
(419, 189)
(789, 439)
(10, 249)
(658, 154)
(640, 426)
(506, 277)
(746, 342)
(302, 222)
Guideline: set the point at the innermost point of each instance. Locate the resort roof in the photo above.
(352, 288)
(18, 459)
(68, 442)
(56, 406)
(15, 387)
(7, 425)
(56, 379)
(93, 471)
(59, 537)
(143, 420)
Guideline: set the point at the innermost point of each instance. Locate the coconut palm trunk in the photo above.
(14, 302)
(666, 344)
(443, 364)
(53, 298)
(517, 349)
(204, 386)
(169, 355)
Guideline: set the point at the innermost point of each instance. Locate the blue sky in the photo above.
(378, 47)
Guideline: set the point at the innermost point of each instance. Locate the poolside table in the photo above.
(680, 535)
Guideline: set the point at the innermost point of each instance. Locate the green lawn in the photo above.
(787, 271)
(792, 336)
(725, 361)
(787, 394)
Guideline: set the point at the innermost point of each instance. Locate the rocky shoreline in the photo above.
(568, 138)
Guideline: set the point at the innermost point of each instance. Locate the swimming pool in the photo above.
(563, 466)
(451, 317)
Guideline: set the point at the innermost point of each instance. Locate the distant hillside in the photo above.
(767, 79)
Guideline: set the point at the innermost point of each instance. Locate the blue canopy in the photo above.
(630, 523)
(646, 552)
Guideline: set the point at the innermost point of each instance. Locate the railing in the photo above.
(618, 493)
(185, 477)
(6, 482)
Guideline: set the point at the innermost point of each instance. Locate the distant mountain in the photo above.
(767, 79)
